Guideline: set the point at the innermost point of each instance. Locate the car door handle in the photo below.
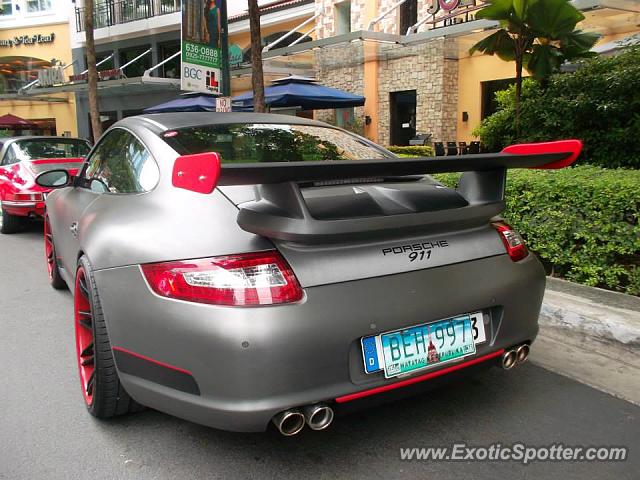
(74, 229)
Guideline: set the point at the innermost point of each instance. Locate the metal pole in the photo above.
(134, 60)
(299, 39)
(226, 77)
(384, 14)
(148, 72)
(289, 33)
(99, 63)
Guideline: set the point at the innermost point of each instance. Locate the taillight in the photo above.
(25, 197)
(514, 243)
(261, 278)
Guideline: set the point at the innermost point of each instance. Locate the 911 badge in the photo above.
(416, 251)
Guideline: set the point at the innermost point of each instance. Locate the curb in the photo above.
(591, 335)
(592, 313)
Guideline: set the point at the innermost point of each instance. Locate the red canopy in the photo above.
(12, 122)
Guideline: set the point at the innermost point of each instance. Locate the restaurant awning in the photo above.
(191, 103)
(301, 92)
(11, 122)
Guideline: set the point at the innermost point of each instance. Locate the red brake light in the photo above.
(514, 243)
(261, 278)
(25, 197)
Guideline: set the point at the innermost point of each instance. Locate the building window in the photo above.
(16, 72)
(489, 89)
(38, 5)
(171, 69)
(137, 68)
(408, 15)
(343, 18)
(6, 7)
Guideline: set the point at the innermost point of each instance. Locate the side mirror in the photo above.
(54, 179)
(198, 173)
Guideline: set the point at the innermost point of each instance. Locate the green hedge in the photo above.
(583, 222)
(413, 151)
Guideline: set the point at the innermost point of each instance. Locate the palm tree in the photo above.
(257, 75)
(539, 35)
(92, 71)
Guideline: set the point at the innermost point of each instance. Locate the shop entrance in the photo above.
(403, 116)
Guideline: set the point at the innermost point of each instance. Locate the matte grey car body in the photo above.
(251, 363)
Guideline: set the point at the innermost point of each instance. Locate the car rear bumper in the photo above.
(234, 368)
(23, 209)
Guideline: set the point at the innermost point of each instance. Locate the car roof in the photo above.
(37, 137)
(169, 121)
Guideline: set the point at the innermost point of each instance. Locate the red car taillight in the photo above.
(514, 243)
(25, 197)
(261, 278)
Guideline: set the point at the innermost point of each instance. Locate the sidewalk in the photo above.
(591, 335)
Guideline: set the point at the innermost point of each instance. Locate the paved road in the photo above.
(46, 434)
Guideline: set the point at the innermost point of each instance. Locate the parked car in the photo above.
(21, 160)
(242, 269)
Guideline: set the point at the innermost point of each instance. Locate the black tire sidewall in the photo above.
(106, 383)
(11, 223)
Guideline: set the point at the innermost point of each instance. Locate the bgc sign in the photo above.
(197, 78)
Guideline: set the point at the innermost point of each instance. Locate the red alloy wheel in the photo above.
(83, 319)
(48, 247)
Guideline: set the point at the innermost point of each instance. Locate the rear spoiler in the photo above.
(549, 155)
(280, 211)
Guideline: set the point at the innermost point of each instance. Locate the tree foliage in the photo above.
(538, 35)
(598, 104)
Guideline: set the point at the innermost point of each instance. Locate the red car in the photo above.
(24, 158)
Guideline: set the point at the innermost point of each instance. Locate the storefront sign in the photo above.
(50, 76)
(201, 47)
(111, 74)
(27, 40)
(452, 11)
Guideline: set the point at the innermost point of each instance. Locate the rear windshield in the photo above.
(40, 148)
(260, 142)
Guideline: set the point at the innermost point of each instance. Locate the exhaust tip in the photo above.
(318, 416)
(509, 359)
(522, 353)
(289, 422)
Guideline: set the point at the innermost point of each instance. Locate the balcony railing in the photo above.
(108, 13)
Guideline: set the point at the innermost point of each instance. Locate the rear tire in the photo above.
(104, 395)
(11, 223)
(55, 279)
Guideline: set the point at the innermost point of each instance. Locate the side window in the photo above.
(10, 156)
(121, 164)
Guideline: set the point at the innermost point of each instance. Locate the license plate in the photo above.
(423, 346)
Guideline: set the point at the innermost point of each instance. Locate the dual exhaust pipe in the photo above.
(515, 356)
(290, 422)
(320, 415)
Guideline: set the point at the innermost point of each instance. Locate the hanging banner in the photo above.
(202, 38)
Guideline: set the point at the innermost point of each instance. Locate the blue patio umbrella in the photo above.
(299, 92)
(192, 103)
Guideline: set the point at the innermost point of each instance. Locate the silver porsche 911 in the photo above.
(238, 270)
